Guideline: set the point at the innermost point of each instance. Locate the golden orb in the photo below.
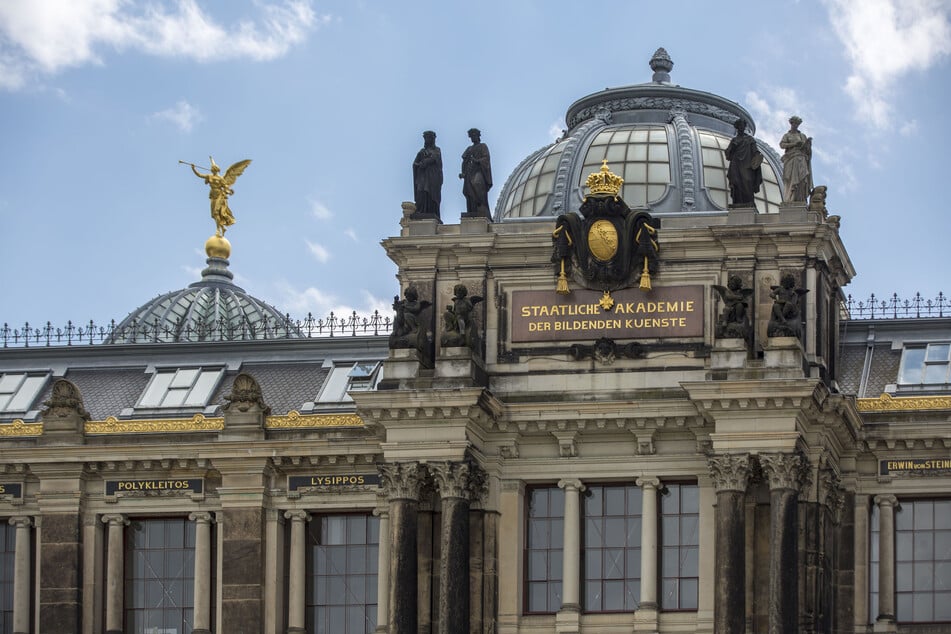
(218, 247)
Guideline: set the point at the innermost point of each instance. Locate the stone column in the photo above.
(784, 471)
(21, 575)
(648, 598)
(115, 580)
(402, 482)
(731, 474)
(860, 536)
(296, 572)
(886, 558)
(456, 482)
(202, 584)
(383, 571)
(571, 566)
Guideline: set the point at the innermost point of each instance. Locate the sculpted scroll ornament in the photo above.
(65, 400)
(402, 480)
(245, 394)
(730, 472)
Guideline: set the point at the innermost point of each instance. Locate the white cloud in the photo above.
(319, 303)
(884, 40)
(318, 251)
(320, 210)
(182, 114)
(47, 36)
(772, 110)
(350, 233)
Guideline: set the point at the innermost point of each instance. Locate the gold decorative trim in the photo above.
(296, 420)
(888, 403)
(113, 425)
(18, 428)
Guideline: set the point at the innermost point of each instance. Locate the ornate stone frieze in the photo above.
(296, 420)
(20, 429)
(113, 425)
(402, 480)
(730, 472)
(653, 103)
(783, 470)
(459, 479)
(887, 403)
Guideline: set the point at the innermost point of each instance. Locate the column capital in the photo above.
(648, 482)
(459, 479)
(783, 470)
(115, 519)
(21, 521)
(402, 480)
(730, 472)
(201, 517)
(885, 500)
(569, 484)
(297, 516)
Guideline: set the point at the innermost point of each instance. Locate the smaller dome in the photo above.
(212, 309)
(667, 143)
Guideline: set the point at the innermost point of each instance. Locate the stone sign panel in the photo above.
(915, 466)
(669, 311)
(339, 480)
(155, 487)
(12, 489)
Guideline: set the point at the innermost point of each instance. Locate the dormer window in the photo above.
(349, 377)
(925, 364)
(182, 387)
(18, 390)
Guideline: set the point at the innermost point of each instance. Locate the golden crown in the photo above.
(605, 182)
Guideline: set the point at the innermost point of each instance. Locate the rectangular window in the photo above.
(925, 365)
(544, 547)
(923, 561)
(680, 546)
(612, 548)
(159, 576)
(349, 377)
(342, 556)
(19, 390)
(7, 552)
(183, 387)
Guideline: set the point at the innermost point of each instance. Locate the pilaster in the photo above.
(731, 474)
(402, 483)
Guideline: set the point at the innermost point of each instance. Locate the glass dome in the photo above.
(665, 141)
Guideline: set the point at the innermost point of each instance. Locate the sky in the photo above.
(101, 99)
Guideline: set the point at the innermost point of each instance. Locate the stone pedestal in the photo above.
(63, 428)
(473, 224)
(460, 366)
(728, 354)
(784, 353)
(247, 425)
(400, 369)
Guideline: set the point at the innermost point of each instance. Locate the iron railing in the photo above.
(190, 331)
(896, 308)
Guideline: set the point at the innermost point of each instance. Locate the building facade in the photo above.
(620, 405)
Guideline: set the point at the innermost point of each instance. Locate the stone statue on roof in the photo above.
(797, 168)
(476, 175)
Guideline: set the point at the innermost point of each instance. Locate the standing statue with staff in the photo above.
(219, 190)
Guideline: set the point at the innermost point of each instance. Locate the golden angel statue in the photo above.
(219, 190)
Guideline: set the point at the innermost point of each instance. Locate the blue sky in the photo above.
(100, 99)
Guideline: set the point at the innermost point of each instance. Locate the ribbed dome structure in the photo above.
(212, 309)
(665, 141)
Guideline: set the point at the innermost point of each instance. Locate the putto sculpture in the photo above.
(219, 188)
(745, 174)
(785, 320)
(427, 178)
(406, 324)
(459, 327)
(734, 321)
(797, 168)
(476, 175)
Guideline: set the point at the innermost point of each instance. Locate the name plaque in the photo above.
(913, 466)
(668, 311)
(346, 480)
(155, 487)
(13, 489)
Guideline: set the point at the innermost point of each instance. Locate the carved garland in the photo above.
(888, 403)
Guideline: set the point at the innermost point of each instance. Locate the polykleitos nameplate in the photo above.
(155, 487)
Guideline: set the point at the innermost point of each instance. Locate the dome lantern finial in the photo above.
(661, 64)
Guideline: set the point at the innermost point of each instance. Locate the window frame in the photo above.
(21, 392)
(155, 394)
(552, 521)
(923, 364)
(663, 545)
(586, 550)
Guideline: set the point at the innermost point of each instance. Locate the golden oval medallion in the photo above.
(602, 240)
